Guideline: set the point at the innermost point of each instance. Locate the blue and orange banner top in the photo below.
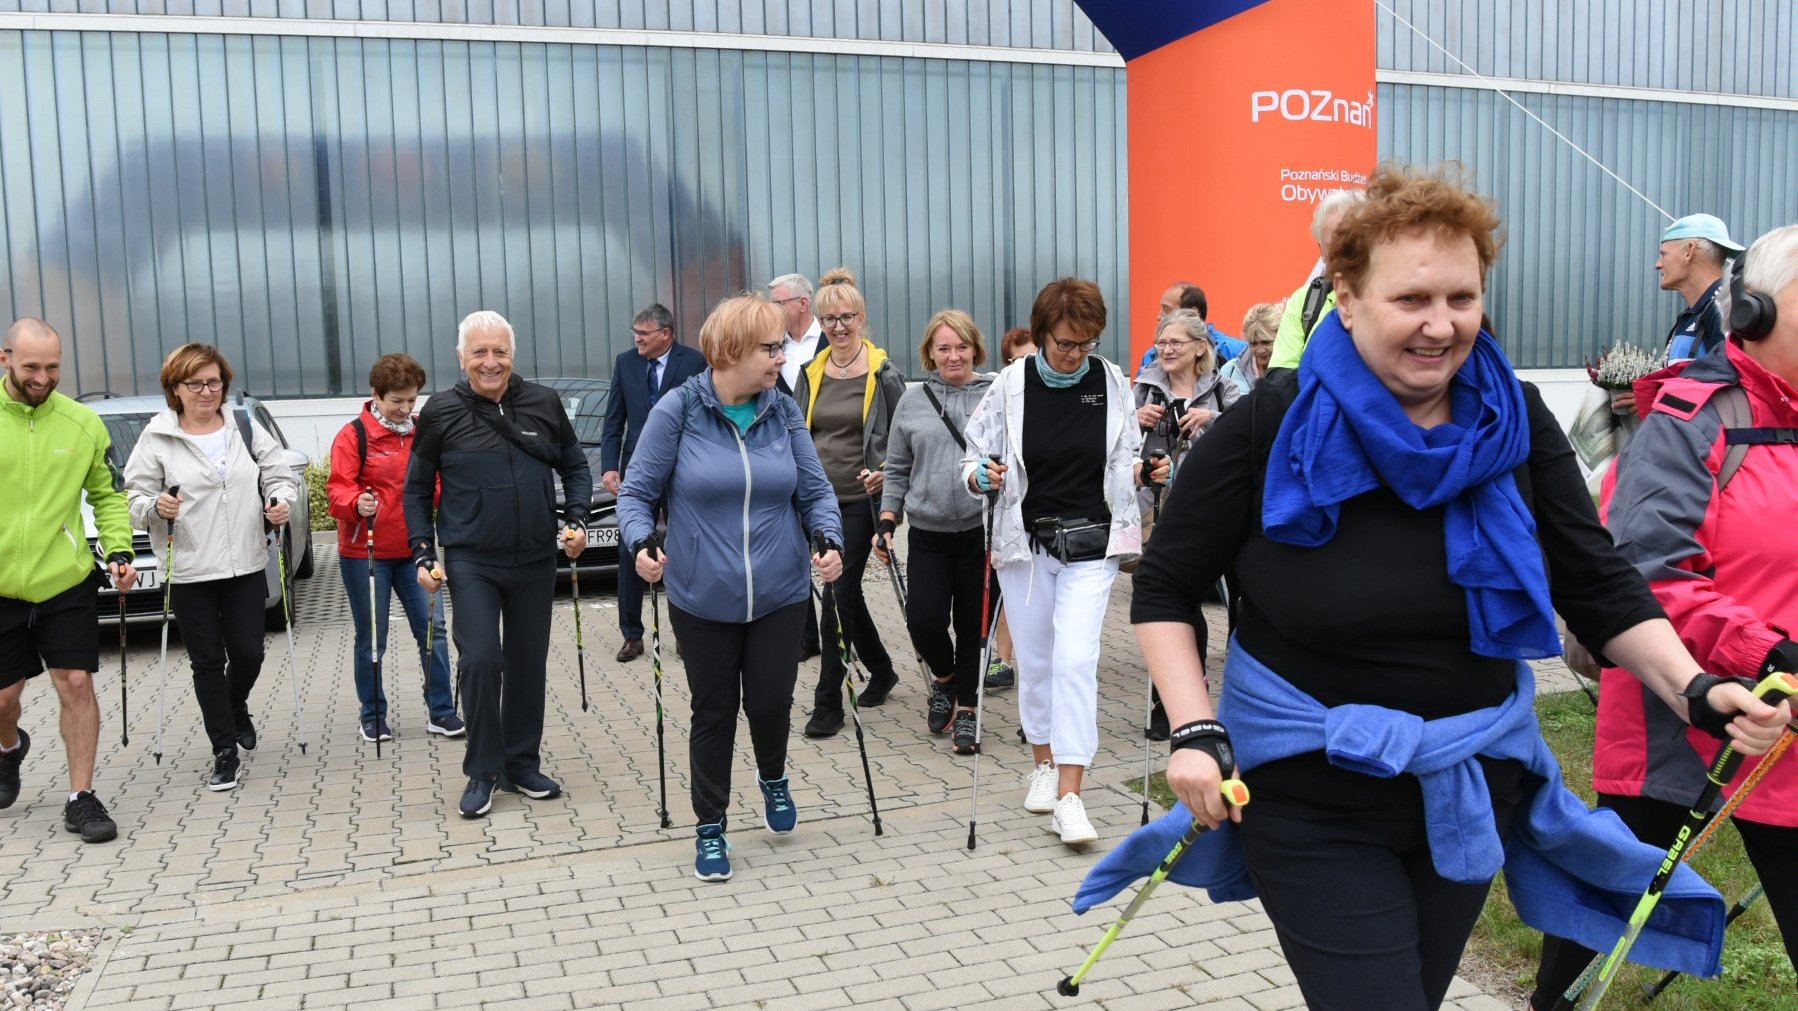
(1242, 115)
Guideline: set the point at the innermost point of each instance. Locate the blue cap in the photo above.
(1703, 226)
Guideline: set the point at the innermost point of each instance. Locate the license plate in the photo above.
(147, 579)
(605, 536)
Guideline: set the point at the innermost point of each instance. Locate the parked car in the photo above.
(585, 402)
(125, 418)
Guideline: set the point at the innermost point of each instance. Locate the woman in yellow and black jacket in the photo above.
(849, 394)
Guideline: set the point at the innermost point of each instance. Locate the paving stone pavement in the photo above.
(333, 878)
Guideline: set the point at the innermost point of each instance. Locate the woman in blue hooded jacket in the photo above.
(730, 459)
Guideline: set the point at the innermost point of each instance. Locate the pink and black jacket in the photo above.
(1724, 564)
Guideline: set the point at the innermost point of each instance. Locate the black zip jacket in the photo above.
(495, 460)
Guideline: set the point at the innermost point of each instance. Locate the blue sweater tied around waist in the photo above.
(1572, 872)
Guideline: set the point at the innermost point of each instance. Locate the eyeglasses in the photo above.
(843, 320)
(1071, 346)
(1172, 345)
(203, 385)
(647, 333)
(784, 301)
(772, 348)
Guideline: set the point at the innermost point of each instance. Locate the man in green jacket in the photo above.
(52, 450)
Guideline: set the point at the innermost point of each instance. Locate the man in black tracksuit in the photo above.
(494, 440)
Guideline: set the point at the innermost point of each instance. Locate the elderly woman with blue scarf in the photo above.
(1403, 523)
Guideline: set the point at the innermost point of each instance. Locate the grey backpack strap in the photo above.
(1732, 407)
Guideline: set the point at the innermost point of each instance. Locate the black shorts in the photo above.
(60, 633)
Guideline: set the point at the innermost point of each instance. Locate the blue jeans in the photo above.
(396, 575)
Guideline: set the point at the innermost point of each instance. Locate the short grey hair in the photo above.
(798, 284)
(1334, 202)
(1771, 265)
(483, 319)
(655, 313)
(1709, 251)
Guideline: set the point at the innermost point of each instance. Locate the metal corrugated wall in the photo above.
(1741, 47)
(1577, 270)
(308, 204)
(1040, 24)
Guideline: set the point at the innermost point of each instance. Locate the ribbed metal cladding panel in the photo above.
(1577, 269)
(1037, 24)
(1741, 47)
(309, 204)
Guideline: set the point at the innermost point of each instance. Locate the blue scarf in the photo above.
(1060, 380)
(1346, 435)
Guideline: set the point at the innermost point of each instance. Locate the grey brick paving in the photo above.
(334, 878)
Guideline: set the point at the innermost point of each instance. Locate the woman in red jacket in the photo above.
(368, 469)
(1702, 502)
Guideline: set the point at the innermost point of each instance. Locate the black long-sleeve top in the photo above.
(1371, 617)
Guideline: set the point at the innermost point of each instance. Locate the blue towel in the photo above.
(1572, 872)
(1346, 435)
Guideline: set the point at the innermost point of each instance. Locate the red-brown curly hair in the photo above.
(1404, 200)
(395, 372)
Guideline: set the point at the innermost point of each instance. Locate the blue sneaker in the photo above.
(781, 815)
(534, 785)
(713, 861)
(477, 800)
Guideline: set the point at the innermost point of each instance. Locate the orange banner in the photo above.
(1236, 132)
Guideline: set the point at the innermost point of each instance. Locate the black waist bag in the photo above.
(1072, 540)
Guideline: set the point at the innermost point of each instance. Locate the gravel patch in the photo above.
(38, 971)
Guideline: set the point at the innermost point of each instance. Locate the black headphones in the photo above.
(1751, 313)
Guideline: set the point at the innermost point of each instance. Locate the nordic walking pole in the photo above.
(987, 620)
(899, 590)
(374, 641)
(580, 645)
(162, 661)
(1236, 793)
(861, 741)
(654, 546)
(1771, 690)
(1148, 696)
(1735, 913)
(293, 666)
(124, 691)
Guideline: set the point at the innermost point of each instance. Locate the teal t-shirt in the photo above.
(740, 414)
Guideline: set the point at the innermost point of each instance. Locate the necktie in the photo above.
(655, 380)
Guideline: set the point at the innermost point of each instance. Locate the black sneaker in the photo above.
(86, 815)
(246, 734)
(9, 769)
(477, 799)
(1000, 675)
(942, 707)
(224, 770)
(877, 691)
(1157, 729)
(534, 785)
(962, 741)
(376, 730)
(824, 723)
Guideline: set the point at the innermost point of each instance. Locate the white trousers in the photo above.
(1056, 612)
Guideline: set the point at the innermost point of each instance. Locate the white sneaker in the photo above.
(1043, 782)
(1071, 823)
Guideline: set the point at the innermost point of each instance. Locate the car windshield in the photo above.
(124, 430)
(587, 412)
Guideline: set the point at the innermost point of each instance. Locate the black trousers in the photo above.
(501, 677)
(852, 608)
(944, 591)
(221, 625)
(1343, 866)
(1770, 849)
(750, 666)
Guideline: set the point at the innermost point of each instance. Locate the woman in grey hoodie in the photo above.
(945, 540)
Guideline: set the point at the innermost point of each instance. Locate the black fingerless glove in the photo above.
(885, 527)
(1208, 736)
(1700, 713)
(120, 558)
(653, 545)
(1782, 658)
(423, 557)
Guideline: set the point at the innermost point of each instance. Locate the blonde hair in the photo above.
(963, 325)
(1263, 321)
(736, 325)
(837, 292)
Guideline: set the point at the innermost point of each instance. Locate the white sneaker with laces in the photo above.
(1043, 782)
(1071, 823)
